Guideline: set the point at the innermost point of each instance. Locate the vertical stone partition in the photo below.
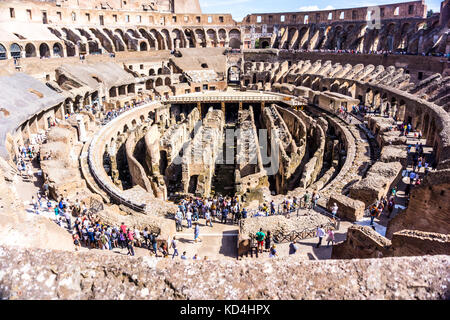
(200, 156)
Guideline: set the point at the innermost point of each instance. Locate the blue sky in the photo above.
(240, 8)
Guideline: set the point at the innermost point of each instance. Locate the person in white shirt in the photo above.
(189, 218)
(173, 245)
(320, 233)
(334, 210)
(137, 237)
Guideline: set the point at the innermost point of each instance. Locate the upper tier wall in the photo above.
(27, 11)
(413, 9)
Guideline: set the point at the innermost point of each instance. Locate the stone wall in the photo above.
(418, 243)
(348, 208)
(28, 274)
(428, 209)
(379, 179)
(363, 242)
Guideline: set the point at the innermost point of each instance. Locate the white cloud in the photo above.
(315, 8)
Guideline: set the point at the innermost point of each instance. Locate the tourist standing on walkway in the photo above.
(260, 236)
(268, 241)
(373, 213)
(76, 240)
(306, 197)
(272, 207)
(153, 242)
(320, 233)
(173, 245)
(315, 197)
(208, 218)
(130, 240)
(179, 220)
(330, 237)
(223, 219)
(334, 210)
(67, 216)
(196, 232)
(391, 205)
(189, 218)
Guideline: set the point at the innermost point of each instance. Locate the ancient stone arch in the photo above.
(212, 37)
(159, 39)
(15, 50)
(3, 53)
(30, 50)
(149, 37)
(143, 46)
(149, 84)
(165, 33)
(58, 50)
(44, 50)
(201, 37)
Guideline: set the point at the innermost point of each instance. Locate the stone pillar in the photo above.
(81, 129)
(222, 106)
(199, 107)
(61, 112)
(78, 105)
(240, 105)
(69, 105)
(263, 104)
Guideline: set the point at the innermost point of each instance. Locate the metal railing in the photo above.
(114, 194)
(219, 98)
(295, 212)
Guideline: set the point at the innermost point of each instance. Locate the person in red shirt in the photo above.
(130, 240)
(123, 227)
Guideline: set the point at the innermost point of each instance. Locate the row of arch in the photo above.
(377, 99)
(393, 36)
(30, 50)
(93, 40)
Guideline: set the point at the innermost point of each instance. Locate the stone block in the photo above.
(348, 208)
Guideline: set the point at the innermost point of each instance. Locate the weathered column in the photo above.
(240, 105)
(81, 129)
(199, 107)
(222, 106)
(60, 110)
(70, 106)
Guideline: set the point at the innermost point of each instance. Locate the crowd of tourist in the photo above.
(228, 210)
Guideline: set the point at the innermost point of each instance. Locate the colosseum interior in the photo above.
(115, 112)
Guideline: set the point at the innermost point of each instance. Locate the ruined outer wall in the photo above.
(429, 207)
(363, 242)
(187, 6)
(353, 14)
(416, 243)
(27, 274)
